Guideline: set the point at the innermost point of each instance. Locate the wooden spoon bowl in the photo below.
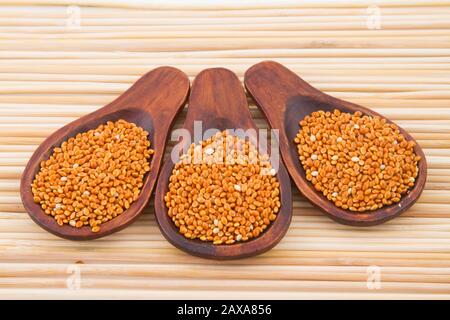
(285, 99)
(151, 103)
(218, 100)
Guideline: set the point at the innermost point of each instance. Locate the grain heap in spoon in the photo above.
(222, 191)
(95, 176)
(357, 161)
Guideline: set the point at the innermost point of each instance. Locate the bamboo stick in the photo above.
(288, 23)
(97, 12)
(229, 20)
(389, 71)
(285, 272)
(236, 54)
(359, 285)
(14, 32)
(277, 256)
(232, 4)
(92, 11)
(231, 62)
(166, 256)
(221, 44)
(59, 26)
(139, 70)
(210, 294)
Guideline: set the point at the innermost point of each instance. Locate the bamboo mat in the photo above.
(52, 71)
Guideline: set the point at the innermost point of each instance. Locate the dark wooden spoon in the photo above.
(285, 99)
(151, 103)
(218, 100)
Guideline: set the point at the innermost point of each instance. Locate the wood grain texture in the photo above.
(286, 99)
(152, 103)
(218, 101)
(43, 90)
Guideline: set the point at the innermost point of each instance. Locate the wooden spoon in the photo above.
(151, 103)
(218, 100)
(285, 99)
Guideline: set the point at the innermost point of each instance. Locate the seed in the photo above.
(377, 146)
(209, 151)
(86, 165)
(313, 138)
(216, 200)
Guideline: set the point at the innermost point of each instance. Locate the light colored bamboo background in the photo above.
(51, 74)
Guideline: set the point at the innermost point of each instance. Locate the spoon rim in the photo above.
(113, 110)
(297, 172)
(206, 249)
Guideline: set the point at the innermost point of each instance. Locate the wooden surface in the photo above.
(50, 74)
(285, 99)
(152, 103)
(218, 100)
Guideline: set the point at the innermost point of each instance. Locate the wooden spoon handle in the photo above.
(159, 92)
(273, 85)
(218, 99)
